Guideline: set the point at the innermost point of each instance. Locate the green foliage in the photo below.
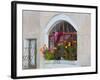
(71, 49)
(70, 53)
(49, 55)
(61, 46)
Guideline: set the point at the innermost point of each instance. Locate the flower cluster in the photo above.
(62, 49)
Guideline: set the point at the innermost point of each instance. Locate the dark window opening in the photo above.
(63, 40)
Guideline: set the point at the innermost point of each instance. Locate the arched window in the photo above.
(64, 35)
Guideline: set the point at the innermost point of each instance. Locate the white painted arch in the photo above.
(54, 20)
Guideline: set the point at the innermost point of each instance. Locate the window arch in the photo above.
(62, 31)
(54, 20)
(64, 34)
(67, 27)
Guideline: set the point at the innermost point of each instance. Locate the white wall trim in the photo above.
(56, 19)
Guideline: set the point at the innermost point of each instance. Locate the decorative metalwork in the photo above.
(29, 54)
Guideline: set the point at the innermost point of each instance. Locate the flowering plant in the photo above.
(47, 53)
(61, 51)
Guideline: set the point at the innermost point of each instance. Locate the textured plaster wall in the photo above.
(34, 24)
(31, 29)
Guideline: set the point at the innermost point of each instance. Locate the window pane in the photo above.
(29, 53)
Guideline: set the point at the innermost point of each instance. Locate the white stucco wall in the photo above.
(31, 29)
(35, 23)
